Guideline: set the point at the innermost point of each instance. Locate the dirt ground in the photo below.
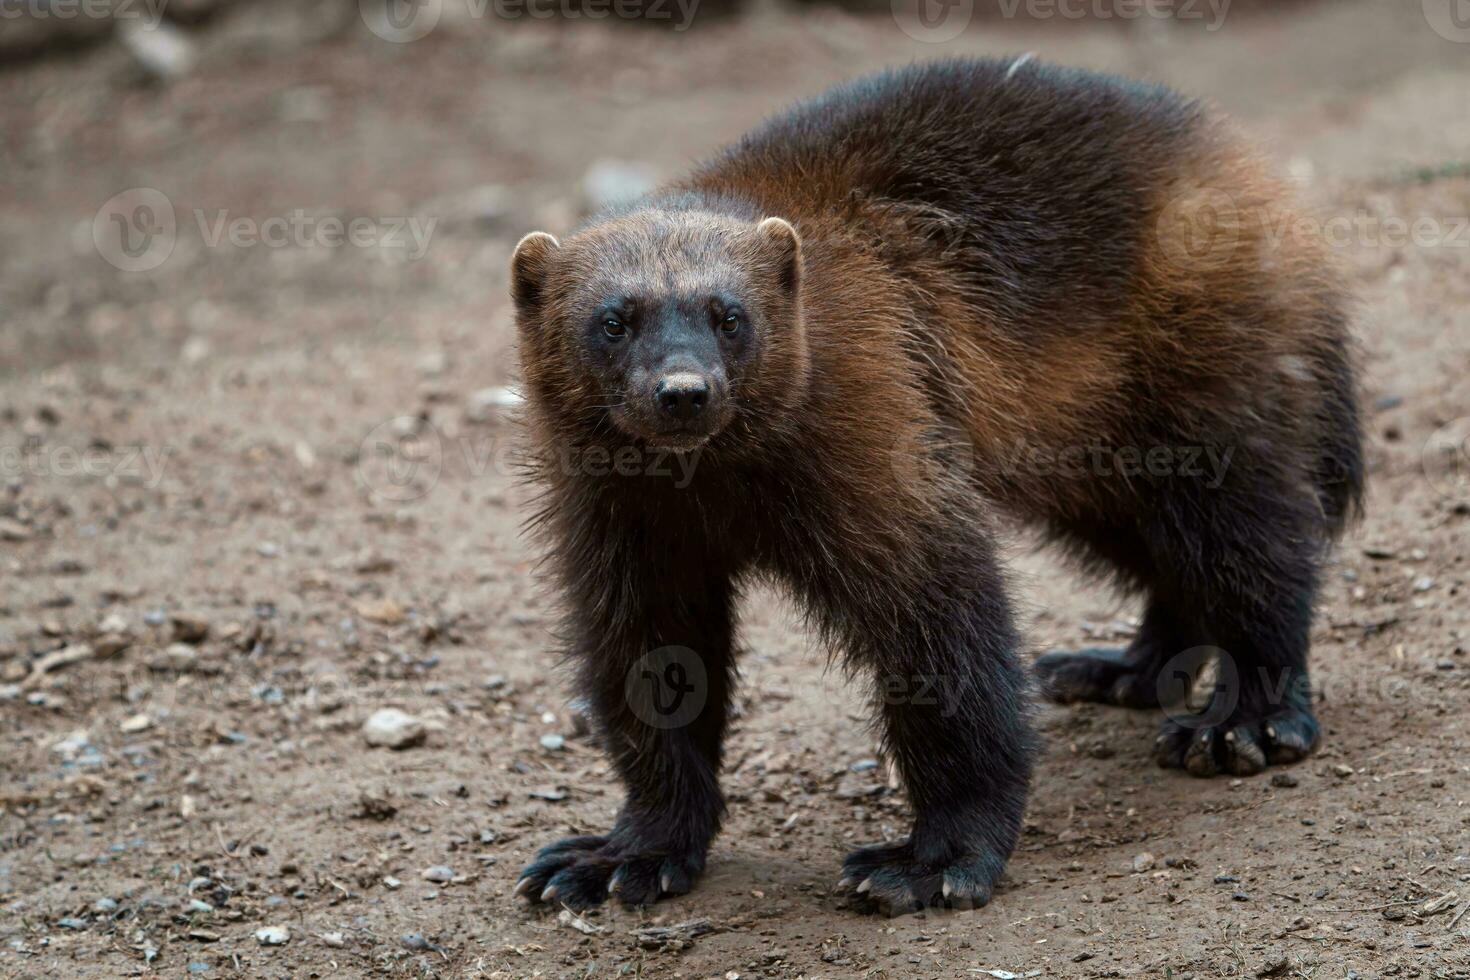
(258, 491)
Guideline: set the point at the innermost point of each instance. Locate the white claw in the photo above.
(1230, 736)
(523, 886)
(548, 893)
(867, 883)
(947, 890)
(845, 883)
(666, 883)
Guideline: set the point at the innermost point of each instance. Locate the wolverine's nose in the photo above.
(682, 396)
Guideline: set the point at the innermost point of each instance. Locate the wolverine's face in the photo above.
(661, 322)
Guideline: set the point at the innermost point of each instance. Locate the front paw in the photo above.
(581, 872)
(892, 879)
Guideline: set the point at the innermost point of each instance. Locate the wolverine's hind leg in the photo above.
(1247, 557)
(1128, 678)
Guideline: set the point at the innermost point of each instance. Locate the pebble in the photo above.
(273, 936)
(553, 742)
(1341, 771)
(391, 883)
(105, 905)
(72, 923)
(189, 628)
(1143, 862)
(1283, 780)
(394, 729)
(439, 874)
(198, 905)
(864, 765)
(13, 531)
(160, 49)
(333, 939)
(134, 724)
(198, 967)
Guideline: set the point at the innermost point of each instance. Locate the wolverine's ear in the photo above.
(528, 268)
(783, 239)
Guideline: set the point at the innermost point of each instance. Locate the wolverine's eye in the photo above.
(730, 323)
(613, 327)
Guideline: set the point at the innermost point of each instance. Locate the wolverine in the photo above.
(874, 326)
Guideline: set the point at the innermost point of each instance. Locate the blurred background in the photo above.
(256, 370)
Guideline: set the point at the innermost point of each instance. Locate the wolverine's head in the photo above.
(668, 323)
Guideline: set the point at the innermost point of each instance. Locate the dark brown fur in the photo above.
(997, 266)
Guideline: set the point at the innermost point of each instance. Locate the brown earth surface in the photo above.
(211, 535)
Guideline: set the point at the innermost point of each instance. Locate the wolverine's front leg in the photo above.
(933, 623)
(657, 681)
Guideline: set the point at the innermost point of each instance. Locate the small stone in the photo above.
(864, 765)
(71, 922)
(1143, 862)
(332, 939)
(163, 51)
(197, 967)
(13, 531)
(393, 729)
(105, 905)
(199, 905)
(1283, 780)
(1423, 583)
(439, 874)
(273, 936)
(135, 724)
(414, 941)
(189, 628)
(1225, 879)
(384, 612)
(552, 794)
(391, 883)
(1341, 771)
(553, 742)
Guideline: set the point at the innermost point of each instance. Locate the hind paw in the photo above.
(1102, 676)
(582, 872)
(1243, 745)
